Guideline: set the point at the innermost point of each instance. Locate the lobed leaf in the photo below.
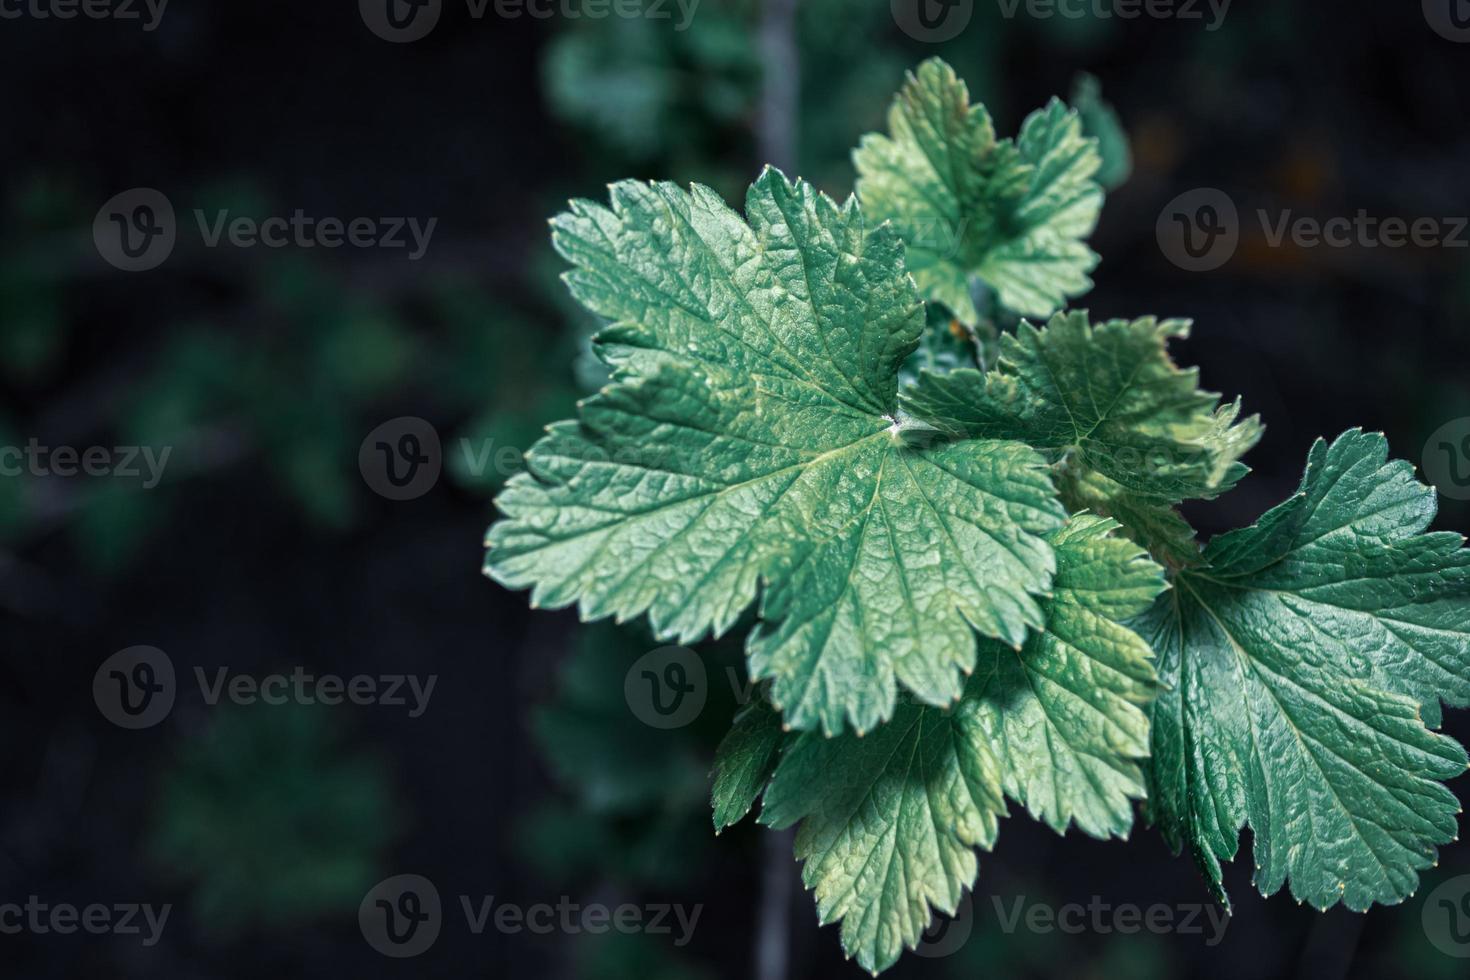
(751, 441)
(1131, 433)
(1011, 213)
(1299, 665)
(1065, 715)
(889, 821)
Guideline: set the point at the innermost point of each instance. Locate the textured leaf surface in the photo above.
(1298, 663)
(946, 344)
(889, 821)
(1155, 524)
(1105, 399)
(744, 762)
(1012, 213)
(1065, 714)
(751, 438)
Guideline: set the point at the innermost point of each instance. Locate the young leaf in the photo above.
(744, 762)
(752, 436)
(1107, 398)
(888, 821)
(1065, 714)
(1296, 665)
(1155, 524)
(1013, 214)
(1132, 434)
(1100, 121)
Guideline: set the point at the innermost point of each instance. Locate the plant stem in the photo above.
(773, 917)
(780, 85)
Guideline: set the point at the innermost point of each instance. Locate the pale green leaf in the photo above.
(1155, 524)
(1065, 714)
(1300, 664)
(1102, 398)
(751, 441)
(1011, 213)
(889, 821)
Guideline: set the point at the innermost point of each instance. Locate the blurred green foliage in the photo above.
(271, 821)
(599, 749)
(274, 366)
(1409, 952)
(653, 100)
(640, 794)
(647, 91)
(630, 956)
(1024, 952)
(281, 362)
(41, 219)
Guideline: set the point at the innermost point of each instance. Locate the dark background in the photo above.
(263, 548)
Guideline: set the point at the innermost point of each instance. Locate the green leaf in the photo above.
(1100, 121)
(1153, 523)
(946, 344)
(744, 762)
(1065, 714)
(751, 437)
(1297, 664)
(1105, 398)
(1010, 213)
(889, 821)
